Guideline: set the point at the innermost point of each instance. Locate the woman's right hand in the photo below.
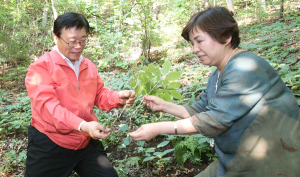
(153, 102)
(146, 132)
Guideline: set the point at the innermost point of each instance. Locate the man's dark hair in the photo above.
(70, 20)
(217, 22)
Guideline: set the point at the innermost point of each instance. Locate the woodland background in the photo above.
(136, 44)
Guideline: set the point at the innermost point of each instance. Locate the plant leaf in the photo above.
(162, 144)
(172, 76)
(175, 94)
(132, 83)
(156, 72)
(167, 97)
(167, 151)
(123, 127)
(138, 90)
(203, 140)
(148, 158)
(166, 67)
(174, 85)
(135, 68)
(150, 150)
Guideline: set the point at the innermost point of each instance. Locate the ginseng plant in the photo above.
(153, 80)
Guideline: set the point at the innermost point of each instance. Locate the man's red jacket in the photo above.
(59, 103)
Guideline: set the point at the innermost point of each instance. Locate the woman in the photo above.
(247, 109)
(63, 87)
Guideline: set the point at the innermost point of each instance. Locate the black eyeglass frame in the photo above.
(80, 42)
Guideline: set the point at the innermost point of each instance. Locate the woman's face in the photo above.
(209, 51)
(71, 35)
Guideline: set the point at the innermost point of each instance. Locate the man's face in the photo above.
(71, 35)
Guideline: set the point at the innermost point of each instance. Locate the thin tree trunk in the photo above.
(281, 9)
(230, 6)
(246, 17)
(263, 5)
(95, 3)
(45, 15)
(53, 9)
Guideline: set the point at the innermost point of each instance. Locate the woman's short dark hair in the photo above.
(70, 20)
(217, 22)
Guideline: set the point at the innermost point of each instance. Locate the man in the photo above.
(63, 87)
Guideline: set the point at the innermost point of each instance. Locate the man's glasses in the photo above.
(74, 43)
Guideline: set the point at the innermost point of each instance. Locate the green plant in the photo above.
(15, 114)
(153, 156)
(192, 148)
(122, 169)
(151, 80)
(12, 157)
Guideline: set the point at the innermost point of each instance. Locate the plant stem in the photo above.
(130, 122)
(112, 125)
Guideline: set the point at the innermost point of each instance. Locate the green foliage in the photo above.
(13, 157)
(122, 169)
(192, 148)
(152, 80)
(15, 114)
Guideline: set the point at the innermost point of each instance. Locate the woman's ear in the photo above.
(228, 40)
(55, 38)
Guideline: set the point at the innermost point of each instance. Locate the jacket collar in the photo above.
(60, 61)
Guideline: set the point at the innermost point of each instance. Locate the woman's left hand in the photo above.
(127, 97)
(146, 132)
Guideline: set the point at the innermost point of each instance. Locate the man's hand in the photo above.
(96, 130)
(127, 97)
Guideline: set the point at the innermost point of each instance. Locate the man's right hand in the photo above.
(96, 130)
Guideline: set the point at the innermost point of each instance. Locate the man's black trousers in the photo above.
(47, 159)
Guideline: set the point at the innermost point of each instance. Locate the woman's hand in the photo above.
(146, 132)
(158, 104)
(154, 102)
(96, 130)
(127, 97)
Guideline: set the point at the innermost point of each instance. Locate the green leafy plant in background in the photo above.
(13, 157)
(15, 115)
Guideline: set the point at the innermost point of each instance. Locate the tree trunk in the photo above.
(53, 9)
(95, 15)
(45, 15)
(281, 9)
(230, 6)
(263, 5)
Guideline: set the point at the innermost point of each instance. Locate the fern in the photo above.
(190, 149)
(133, 161)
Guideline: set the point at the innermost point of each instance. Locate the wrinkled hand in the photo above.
(146, 132)
(153, 102)
(127, 97)
(96, 130)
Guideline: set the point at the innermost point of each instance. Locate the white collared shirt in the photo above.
(76, 65)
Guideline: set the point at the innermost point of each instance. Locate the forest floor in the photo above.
(170, 170)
